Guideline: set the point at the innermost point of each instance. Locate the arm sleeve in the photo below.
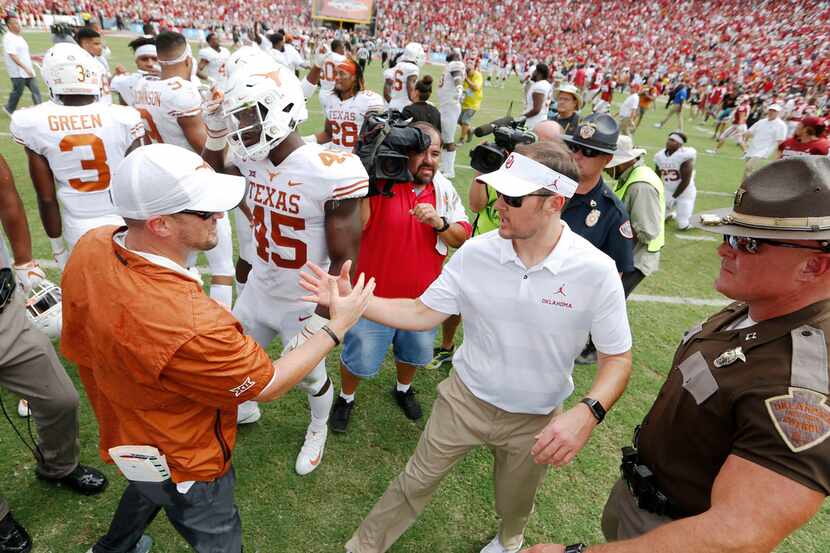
(609, 325)
(443, 294)
(221, 369)
(308, 89)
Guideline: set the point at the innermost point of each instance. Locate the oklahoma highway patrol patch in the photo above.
(802, 418)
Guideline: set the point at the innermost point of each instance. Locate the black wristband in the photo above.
(331, 333)
(445, 227)
(576, 548)
(596, 408)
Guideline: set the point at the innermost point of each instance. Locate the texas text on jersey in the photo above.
(345, 117)
(162, 102)
(288, 204)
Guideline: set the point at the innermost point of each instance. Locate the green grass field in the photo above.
(317, 514)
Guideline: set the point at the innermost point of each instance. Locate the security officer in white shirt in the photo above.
(529, 293)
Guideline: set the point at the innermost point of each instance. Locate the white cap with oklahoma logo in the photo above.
(519, 175)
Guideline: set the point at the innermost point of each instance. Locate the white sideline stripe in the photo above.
(678, 300)
(49, 264)
(696, 238)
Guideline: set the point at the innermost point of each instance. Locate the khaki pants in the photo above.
(30, 368)
(753, 164)
(459, 422)
(622, 519)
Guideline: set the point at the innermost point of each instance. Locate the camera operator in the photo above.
(405, 240)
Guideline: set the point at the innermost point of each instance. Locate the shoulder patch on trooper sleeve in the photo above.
(625, 230)
(802, 417)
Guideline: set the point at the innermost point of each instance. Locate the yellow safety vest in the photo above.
(644, 173)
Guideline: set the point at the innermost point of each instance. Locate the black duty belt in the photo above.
(7, 287)
(641, 481)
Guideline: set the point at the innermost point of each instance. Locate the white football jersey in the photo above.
(125, 85)
(346, 116)
(538, 87)
(214, 60)
(288, 203)
(329, 70)
(162, 102)
(83, 145)
(669, 165)
(450, 92)
(400, 76)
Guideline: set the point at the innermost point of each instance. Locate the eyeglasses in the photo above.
(203, 215)
(584, 150)
(516, 201)
(749, 245)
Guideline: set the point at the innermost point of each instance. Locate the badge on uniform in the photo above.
(592, 218)
(730, 356)
(802, 418)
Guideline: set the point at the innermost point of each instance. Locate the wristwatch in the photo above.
(576, 548)
(444, 227)
(596, 408)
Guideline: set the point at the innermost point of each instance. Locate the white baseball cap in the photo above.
(774, 107)
(519, 175)
(162, 179)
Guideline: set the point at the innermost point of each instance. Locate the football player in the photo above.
(450, 91)
(399, 91)
(90, 40)
(676, 166)
(346, 108)
(305, 208)
(171, 107)
(538, 96)
(324, 69)
(211, 58)
(146, 62)
(73, 143)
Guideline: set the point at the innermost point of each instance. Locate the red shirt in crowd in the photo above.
(396, 248)
(792, 147)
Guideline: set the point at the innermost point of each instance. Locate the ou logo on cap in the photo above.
(509, 162)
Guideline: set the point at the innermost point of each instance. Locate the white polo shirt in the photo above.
(523, 327)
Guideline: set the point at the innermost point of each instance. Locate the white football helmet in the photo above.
(263, 102)
(414, 52)
(43, 307)
(69, 69)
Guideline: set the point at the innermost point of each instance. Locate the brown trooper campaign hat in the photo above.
(787, 199)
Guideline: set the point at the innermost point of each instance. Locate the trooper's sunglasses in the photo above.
(203, 215)
(584, 150)
(746, 244)
(516, 201)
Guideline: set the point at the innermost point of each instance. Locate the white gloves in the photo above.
(29, 275)
(215, 121)
(670, 203)
(319, 55)
(312, 327)
(60, 253)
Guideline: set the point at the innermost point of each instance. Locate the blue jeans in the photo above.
(365, 345)
(18, 84)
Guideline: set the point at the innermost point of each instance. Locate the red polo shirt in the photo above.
(396, 248)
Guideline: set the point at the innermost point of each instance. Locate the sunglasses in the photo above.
(516, 201)
(749, 245)
(203, 215)
(584, 150)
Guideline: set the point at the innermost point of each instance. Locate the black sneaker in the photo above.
(84, 480)
(341, 412)
(13, 537)
(407, 402)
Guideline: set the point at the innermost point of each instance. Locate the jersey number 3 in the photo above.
(97, 163)
(261, 233)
